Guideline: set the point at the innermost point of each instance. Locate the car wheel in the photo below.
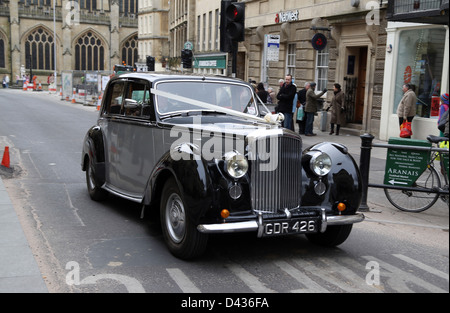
(333, 236)
(181, 235)
(95, 191)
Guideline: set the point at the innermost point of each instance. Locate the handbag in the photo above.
(405, 130)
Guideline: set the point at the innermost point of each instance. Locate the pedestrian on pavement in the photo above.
(407, 107)
(285, 98)
(337, 109)
(272, 96)
(262, 93)
(311, 108)
(443, 108)
(301, 117)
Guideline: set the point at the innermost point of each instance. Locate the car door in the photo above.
(134, 133)
(110, 127)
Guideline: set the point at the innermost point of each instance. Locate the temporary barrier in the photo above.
(88, 86)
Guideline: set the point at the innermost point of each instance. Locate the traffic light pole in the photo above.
(234, 50)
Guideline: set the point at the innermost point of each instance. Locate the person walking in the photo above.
(443, 108)
(337, 109)
(311, 108)
(262, 93)
(301, 118)
(407, 107)
(285, 98)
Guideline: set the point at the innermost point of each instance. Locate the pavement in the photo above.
(20, 273)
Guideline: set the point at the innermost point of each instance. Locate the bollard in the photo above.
(364, 167)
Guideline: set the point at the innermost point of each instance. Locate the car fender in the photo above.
(191, 173)
(94, 148)
(343, 182)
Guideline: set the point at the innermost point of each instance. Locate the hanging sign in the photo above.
(319, 42)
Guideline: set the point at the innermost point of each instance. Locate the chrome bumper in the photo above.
(257, 225)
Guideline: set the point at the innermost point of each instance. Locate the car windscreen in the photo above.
(184, 96)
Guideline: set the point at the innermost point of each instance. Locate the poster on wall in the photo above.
(435, 101)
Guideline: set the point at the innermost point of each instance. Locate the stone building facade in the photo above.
(90, 35)
(354, 54)
(153, 34)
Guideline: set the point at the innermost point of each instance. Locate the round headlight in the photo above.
(320, 163)
(236, 164)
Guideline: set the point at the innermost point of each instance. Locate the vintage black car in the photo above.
(198, 150)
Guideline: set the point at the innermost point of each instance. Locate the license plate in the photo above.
(291, 226)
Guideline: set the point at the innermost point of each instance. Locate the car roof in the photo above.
(155, 76)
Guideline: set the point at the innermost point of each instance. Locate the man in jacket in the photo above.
(311, 108)
(285, 98)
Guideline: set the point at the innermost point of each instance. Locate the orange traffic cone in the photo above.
(73, 96)
(5, 160)
(25, 85)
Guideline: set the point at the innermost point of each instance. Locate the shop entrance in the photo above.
(355, 84)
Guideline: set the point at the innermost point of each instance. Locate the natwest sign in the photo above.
(288, 16)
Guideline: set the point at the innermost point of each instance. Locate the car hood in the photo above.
(227, 125)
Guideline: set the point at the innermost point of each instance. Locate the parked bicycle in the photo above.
(434, 183)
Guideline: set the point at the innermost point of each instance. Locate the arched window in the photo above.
(89, 53)
(2, 53)
(130, 50)
(39, 49)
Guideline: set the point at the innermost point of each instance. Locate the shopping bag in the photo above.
(405, 130)
(300, 113)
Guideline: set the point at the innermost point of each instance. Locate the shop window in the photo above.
(420, 63)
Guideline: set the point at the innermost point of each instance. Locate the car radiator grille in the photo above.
(278, 186)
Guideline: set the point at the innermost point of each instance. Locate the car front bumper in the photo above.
(258, 225)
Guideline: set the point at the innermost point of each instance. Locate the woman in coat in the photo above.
(337, 109)
(407, 107)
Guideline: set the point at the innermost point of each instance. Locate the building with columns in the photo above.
(153, 34)
(90, 35)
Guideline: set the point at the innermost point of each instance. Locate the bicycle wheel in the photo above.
(416, 201)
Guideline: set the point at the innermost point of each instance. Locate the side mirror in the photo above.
(131, 104)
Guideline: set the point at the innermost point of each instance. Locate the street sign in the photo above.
(273, 47)
(403, 167)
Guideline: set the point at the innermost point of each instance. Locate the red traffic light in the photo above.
(235, 20)
(235, 12)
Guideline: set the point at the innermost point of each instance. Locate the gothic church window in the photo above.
(39, 47)
(130, 50)
(2, 52)
(89, 53)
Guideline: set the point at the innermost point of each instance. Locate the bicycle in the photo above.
(434, 186)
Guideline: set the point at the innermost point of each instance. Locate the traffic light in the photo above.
(186, 58)
(232, 24)
(150, 63)
(235, 13)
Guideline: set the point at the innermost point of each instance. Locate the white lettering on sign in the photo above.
(288, 16)
(207, 63)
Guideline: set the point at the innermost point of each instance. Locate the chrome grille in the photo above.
(277, 187)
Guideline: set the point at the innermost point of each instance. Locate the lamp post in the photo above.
(54, 43)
